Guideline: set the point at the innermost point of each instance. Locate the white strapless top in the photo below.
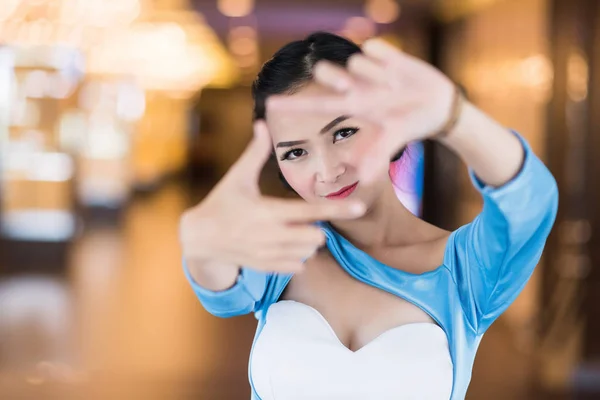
(297, 355)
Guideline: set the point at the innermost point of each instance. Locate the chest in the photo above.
(357, 312)
(296, 356)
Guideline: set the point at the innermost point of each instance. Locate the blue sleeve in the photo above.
(493, 257)
(242, 298)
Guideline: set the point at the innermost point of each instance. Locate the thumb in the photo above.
(248, 167)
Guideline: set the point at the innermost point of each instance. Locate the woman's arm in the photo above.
(236, 226)
(227, 291)
(493, 153)
(493, 257)
(203, 274)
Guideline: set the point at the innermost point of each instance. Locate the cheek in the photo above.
(301, 181)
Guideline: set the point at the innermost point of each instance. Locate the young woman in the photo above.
(357, 298)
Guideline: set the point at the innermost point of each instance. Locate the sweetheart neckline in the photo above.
(378, 338)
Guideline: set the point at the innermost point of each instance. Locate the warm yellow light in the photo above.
(235, 8)
(450, 10)
(247, 61)
(75, 22)
(100, 13)
(577, 76)
(243, 32)
(71, 14)
(536, 71)
(166, 50)
(382, 11)
(8, 8)
(163, 56)
(243, 46)
(533, 76)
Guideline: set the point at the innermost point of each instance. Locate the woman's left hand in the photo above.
(410, 99)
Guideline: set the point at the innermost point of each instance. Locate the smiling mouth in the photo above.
(343, 193)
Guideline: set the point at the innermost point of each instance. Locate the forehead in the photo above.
(299, 125)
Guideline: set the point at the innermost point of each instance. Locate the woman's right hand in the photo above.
(236, 225)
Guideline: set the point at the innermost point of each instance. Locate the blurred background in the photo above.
(116, 115)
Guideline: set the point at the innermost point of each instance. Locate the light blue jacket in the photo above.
(486, 265)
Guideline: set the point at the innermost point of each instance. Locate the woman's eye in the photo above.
(344, 133)
(293, 154)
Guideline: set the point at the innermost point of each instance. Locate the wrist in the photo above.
(466, 122)
(197, 237)
(455, 114)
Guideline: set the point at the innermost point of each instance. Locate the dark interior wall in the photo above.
(573, 251)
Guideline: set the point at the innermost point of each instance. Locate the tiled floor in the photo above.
(120, 322)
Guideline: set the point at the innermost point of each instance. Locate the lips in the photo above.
(343, 192)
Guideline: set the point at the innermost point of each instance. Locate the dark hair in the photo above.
(291, 68)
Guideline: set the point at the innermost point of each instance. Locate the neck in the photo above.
(387, 223)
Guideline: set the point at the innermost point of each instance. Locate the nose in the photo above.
(330, 169)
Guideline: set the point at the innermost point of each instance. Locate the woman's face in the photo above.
(320, 155)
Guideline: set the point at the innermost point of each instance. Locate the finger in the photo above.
(264, 259)
(333, 76)
(300, 211)
(301, 235)
(384, 53)
(377, 159)
(367, 69)
(248, 167)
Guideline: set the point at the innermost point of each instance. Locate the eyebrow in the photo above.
(325, 129)
(333, 123)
